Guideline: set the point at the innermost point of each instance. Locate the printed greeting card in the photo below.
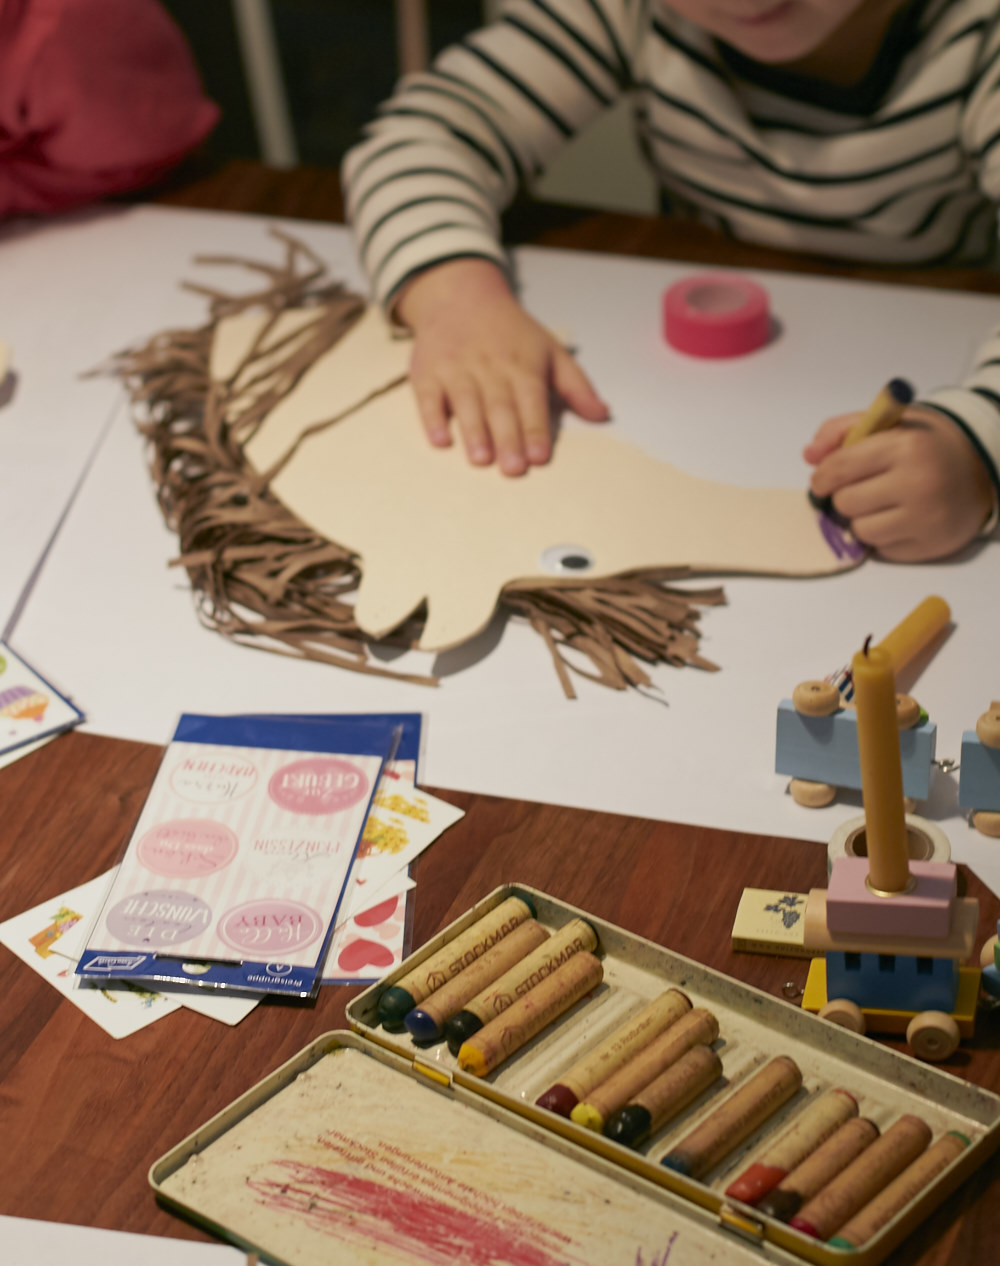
(372, 937)
(42, 937)
(30, 708)
(235, 871)
(50, 938)
(371, 942)
(402, 822)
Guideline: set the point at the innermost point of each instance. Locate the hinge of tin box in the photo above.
(745, 1227)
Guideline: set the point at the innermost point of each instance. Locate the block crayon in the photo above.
(813, 1174)
(697, 1028)
(735, 1118)
(411, 989)
(426, 1021)
(530, 1013)
(664, 1097)
(813, 1126)
(863, 1179)
(617, 1049)
(572, 938)
(906, 1187)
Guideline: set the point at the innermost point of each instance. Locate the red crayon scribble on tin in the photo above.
(424, 1229)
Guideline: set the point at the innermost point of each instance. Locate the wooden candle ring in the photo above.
(816, 698)
(907, 711)
(988, 726)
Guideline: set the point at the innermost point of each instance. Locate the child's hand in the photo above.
(480, 358)
(916, 492)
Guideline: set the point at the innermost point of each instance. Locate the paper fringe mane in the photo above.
(263, 578)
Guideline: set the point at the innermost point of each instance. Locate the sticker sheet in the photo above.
(236, 868)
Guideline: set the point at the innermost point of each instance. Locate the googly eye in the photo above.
(567, 560)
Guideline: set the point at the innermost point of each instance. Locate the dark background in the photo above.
(338, 58)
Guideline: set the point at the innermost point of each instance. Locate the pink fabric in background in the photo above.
(96, 97)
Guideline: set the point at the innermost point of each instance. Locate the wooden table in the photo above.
(82, 1116)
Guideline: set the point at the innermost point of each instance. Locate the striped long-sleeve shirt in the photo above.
(903, 167)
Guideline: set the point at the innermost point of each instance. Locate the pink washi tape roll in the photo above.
(716, 314)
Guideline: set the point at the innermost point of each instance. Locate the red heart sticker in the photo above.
(359, 953)
(377, 914)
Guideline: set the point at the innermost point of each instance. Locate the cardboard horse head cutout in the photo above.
(306, 459)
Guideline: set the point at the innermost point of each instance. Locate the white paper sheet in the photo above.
(27, 1242)
(700, 749)
(63, 310)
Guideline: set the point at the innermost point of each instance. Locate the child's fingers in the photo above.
(828, 437)
(866, 499)
(533, 409)
(467, 410)
(572, 385)
(431, 407)
(847, 466)
(886, 531)
(504, 427)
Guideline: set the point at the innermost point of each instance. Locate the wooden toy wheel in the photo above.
(814, 795)
(907, 711)
(987, 727)
(987, 823)
(932, 1035)
(845, 1013)
(986, 954)
(816, 698)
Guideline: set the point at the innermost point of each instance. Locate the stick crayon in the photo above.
(697, 1028)
(910, 1183)
(884, 412)
(735, 1118)
(617, 1049)
(575, 936)
(813, 1126)
(813, 1174)
(664, 1097)
(449, 960)
(912, 635)
(863, 1179)
(426, 1021)
(916, 631)
(530, 1013)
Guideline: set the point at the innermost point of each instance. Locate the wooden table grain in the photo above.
(82, 1116)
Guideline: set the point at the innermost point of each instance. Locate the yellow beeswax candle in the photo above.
(881, 770)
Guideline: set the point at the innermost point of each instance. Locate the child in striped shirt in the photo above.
(864, 129)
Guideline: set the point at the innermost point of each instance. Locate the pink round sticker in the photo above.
(272, 929)
(187, 847)
(318, 784)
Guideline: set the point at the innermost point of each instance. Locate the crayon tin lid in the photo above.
(348, 1153)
